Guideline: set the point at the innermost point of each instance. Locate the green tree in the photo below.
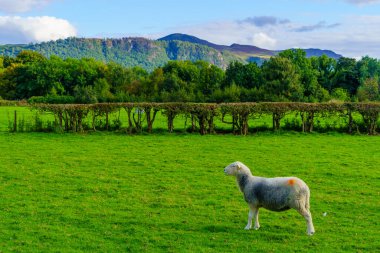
(83, 72)
(340, 94)
(117, 77)
(85, 95)
(8, 81)
(102, 90)
(154, 84)
(346, 75)
(326, 67)
(369, 90)
(210, 79)
(368, 68)
(243, 75)
(40, 78)
(8, 61)
(181, 78)
(282, 83)
(28, 56)
(312, 90)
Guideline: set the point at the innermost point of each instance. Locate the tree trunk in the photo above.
(107, 121)
(350, 122)
(79, 118)
(171, 115)
(60, 120)
(211, 124)
(192, 123)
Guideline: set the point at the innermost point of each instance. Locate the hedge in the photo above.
(69, 117)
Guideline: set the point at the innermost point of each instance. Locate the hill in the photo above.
(150, 54)
(129, 52)
(246, 52)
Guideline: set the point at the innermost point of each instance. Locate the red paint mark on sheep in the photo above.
(291, 181)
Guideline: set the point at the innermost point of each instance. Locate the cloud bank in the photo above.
(15, 30)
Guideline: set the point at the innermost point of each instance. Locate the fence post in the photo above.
(15, 122)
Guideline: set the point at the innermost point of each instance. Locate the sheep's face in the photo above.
(232, 169)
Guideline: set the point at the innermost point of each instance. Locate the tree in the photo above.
(28, 56)
(137, 77)
(1, 63)
(369, 90)
(8, 82)
(210, 79)
(346, 75)
(340, 94)
(83, 72)
(326, 67)
(154, 84)
(181, 78)
(102, 90)
(312, 90)
(243, 75)
(85, 95)
(368, 68)
(40, 78)
(117, 77)
(282, 83)
(8, 61)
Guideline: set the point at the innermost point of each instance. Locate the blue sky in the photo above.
(349, 27)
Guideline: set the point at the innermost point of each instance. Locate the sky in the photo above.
(348, 27)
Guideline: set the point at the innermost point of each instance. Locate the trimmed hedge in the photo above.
(69, 117)
(13, 102)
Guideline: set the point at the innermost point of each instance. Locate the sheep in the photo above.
(275, 194)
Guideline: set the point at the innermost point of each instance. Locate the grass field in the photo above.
(167, 193)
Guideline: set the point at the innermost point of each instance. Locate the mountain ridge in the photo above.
(150, 54)
(246, 49)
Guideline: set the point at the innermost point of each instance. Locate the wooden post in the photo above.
(15, 122)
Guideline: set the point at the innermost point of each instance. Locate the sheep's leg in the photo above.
(253, 212)
(250, 216)
(309, 221)
(256, 215)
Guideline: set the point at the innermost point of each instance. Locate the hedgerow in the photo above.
(70, 117)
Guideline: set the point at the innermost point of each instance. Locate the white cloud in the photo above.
(16, 6)
(264, 41)
(33, 29)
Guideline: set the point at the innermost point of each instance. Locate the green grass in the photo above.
(168, 193)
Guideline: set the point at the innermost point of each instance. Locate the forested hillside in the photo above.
(128, 52)
(150, 54)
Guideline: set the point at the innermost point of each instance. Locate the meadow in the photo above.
(107, 192)
(114, 192)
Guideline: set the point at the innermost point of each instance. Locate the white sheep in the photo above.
(275, 194)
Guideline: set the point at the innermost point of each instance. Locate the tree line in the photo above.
(288, 77)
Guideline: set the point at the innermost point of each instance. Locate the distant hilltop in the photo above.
(150, 54)
(245, 50)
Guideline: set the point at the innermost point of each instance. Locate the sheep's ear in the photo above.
(238, 166)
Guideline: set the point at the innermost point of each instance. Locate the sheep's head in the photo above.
(235, 168)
